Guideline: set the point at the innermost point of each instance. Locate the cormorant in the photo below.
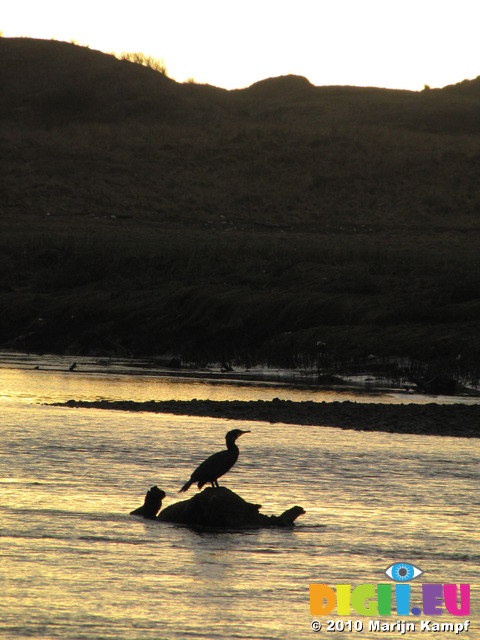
(217, 464)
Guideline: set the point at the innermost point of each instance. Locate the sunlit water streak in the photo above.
(76, 565)
(48, 379)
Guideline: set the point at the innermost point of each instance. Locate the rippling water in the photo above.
(76, 565)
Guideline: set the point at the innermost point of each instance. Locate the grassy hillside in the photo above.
(284, 222)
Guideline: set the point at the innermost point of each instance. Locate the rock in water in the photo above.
(152, 504)
(216, 508)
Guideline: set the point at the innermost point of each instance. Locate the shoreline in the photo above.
(455, 420)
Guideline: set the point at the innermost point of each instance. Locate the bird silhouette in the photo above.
(217, 464)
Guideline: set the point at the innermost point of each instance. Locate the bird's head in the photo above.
(234, 434)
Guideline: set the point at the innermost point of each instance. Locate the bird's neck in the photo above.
(231, 446)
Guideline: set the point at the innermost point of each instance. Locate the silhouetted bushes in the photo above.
(145, 60)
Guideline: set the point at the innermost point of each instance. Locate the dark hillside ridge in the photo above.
(143, 216)
(51, 79)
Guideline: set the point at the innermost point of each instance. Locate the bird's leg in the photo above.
(216, 484)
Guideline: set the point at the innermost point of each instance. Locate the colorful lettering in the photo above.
(402, 594)
(322, 599)
(343, 599)
(366, 601)
(450, 596)
(432, 599)
(384, 599)
(360, 596)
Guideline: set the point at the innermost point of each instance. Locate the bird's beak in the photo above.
(244, 432)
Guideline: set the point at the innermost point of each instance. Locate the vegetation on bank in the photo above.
(284, 223)
(147, 61)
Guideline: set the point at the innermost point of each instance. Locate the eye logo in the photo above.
(403, 572)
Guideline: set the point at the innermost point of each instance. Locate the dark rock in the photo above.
(440, 385)
(218, 508)
(152, 504)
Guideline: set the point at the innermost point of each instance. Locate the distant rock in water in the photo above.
(215, 508)
(438, 385)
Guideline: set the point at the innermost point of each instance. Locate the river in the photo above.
(76, 566)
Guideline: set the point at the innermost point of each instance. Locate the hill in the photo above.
(283, 222)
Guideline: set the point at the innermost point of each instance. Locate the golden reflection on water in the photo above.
(76, 565)
(52, 385)
(47, 386)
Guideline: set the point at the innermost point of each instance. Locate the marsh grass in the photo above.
(250, 297)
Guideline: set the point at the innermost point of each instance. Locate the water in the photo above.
(47, 379)
(75, 565)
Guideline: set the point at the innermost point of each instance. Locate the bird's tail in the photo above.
(186, 486)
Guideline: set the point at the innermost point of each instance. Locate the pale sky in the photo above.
(400, 44)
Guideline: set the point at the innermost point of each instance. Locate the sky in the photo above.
(398, 44)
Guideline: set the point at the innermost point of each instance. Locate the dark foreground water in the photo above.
(75, 565)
